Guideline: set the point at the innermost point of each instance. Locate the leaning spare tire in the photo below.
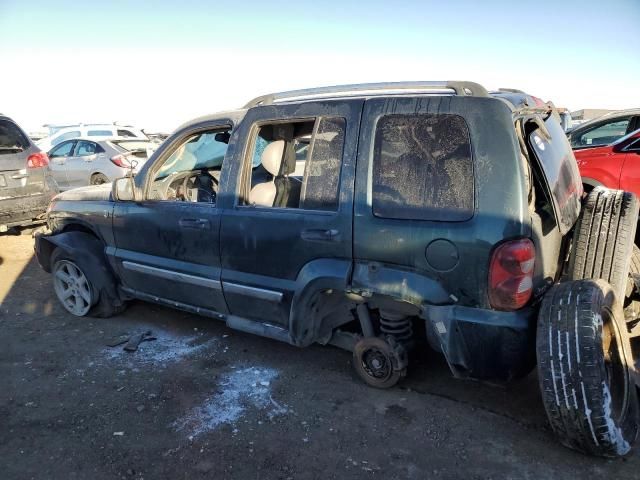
(584, 362)
(604, 238)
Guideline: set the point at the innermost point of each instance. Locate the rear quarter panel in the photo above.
(500, 210)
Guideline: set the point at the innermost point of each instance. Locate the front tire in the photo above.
(99, 179)
(583, 368)
(76, 289)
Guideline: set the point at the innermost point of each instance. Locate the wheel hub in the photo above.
(72, 288)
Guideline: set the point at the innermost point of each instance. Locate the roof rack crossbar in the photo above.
(455, 87)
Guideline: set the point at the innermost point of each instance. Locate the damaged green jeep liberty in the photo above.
(380, 218)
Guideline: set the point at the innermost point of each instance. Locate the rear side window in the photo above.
(99, 133)
(125, 133)
(423, 168)
(84, 148)
(12, 140)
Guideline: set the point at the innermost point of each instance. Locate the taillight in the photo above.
(37, 160)
(511, 274)
(119, 160)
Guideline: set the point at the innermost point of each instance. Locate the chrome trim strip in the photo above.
(171, 275)
(255, 292)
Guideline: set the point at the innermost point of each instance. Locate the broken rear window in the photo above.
(422, 168)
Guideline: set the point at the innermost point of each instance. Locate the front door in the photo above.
(289, 205)
(58, 157)
(167, 243)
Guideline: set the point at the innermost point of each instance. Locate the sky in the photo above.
(158, 64)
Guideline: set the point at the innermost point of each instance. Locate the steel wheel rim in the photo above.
(617, 373)
(377, 364)
(72, 288)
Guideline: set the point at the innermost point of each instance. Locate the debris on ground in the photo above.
(132, 341)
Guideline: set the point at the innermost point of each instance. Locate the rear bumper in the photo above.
(483, 344)
(23, 210)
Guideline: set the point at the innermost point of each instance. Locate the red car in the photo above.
(615, 165)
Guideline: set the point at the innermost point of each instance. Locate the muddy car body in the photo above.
(26, 184)
(367, 217)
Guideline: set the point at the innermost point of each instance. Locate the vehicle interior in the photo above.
(192, 171)
(296, 165)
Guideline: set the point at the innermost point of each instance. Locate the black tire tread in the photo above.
(604, 238)
(571, 368)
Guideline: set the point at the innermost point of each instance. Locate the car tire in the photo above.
(604, 238)
(96, 303)
(98, 179)
(583, 356)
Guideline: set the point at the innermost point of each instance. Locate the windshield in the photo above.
(202, 151)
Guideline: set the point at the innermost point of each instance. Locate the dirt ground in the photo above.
(203, 401)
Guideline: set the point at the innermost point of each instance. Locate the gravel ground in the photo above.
(203, 401)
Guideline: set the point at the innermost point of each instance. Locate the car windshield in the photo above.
(204, 151)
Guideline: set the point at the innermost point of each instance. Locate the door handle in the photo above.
(201, 223)
(18, 176)
(322, 235)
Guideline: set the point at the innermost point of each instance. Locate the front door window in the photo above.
(192, 172)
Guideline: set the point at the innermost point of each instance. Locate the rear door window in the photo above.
(85, 148)
(602, 135)
(423, 168)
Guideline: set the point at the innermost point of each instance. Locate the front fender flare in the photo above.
(88, 252)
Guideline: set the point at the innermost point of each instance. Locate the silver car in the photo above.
(82, 161)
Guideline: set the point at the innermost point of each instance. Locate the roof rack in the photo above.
(362, 89)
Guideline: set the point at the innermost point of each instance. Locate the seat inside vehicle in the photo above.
(276, 179)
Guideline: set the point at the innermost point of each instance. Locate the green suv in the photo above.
(380, 218)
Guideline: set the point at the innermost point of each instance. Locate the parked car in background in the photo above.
(26, 185)
(85, 161)
(94, 130)
(605, 130)
(615, 165)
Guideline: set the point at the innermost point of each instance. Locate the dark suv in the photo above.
(26, 185)
(380, 218)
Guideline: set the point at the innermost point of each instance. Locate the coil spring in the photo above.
(399, 328)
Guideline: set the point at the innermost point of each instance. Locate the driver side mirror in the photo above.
(123, 189)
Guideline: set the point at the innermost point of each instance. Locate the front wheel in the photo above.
(99, 179)
(75, 287)
(584, 363)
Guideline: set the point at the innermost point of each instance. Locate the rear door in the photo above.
(58, 157)
(80, 165)
(600, 165)
(274, 229)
